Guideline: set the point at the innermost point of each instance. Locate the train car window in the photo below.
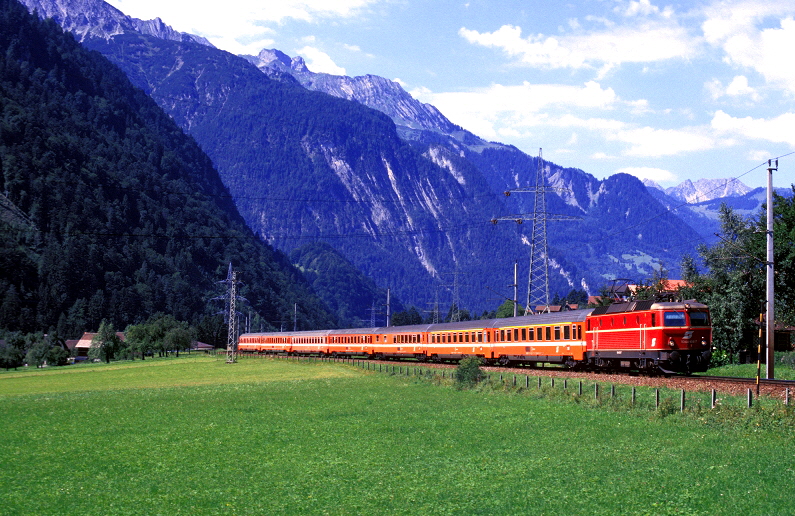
(674, 319)
(488, 337)
(516, 334)
(524, 333)
(501, 336)
(625, 320)
(530, 334)
(652, 319)
(699, 319)
(480, 337)
(557, 332)
(566, 333)
(508, 334)
(549, 333)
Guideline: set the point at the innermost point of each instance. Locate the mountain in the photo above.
(110, 211)
(347, 292)
(369, 90)
(698, 204)
(88, 18)
(707, 190)
(408, 204)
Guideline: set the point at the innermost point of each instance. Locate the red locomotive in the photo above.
(636, 336)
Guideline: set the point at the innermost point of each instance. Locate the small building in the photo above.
(82, 346)
(201, 346)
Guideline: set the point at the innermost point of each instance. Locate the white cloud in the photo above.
(742, 30)
(759, 155)
(643, 8)
(237, 25)
(737, 88)
(498, 108)
(775, 130)
(657, 175)
(320, 62)
(638, 41)
(650, 142)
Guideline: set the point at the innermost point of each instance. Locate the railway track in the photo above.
(723, 384)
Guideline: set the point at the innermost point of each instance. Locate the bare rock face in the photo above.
(95, 18)
(373, 91)
(707, 190)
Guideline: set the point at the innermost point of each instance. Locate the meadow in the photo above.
(195, 435)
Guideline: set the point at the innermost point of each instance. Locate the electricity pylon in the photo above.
(538, 276)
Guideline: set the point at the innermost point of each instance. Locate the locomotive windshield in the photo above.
(699, 319)
(674, 319)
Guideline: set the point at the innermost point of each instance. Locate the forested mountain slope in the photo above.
(119, 214)
(407, 205)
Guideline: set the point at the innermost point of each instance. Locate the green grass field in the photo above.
(197, 436)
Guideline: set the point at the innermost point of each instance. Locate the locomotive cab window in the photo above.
(699, 319)
(674, 319)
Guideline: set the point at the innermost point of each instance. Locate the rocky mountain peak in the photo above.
(99, 19)
(373, 91)
(707, 190)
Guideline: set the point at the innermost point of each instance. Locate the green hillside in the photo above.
(119, 214)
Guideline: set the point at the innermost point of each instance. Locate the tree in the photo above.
(38, 347)
(784, 253)
(506, 309)
(57, 356)
(733, 289)
(654, 288)
(580, 297)
(11, 351)
(139, 340)
(468, 372)
(179, 338)
(407, 317)
(105, 343)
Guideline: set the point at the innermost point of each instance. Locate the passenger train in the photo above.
(644, 336)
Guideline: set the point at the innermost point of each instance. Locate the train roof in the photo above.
(634, 306)
(569, 316)
(307, 333)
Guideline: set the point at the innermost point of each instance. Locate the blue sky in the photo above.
(666, 91)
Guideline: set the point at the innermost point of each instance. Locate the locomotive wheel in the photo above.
(504, 361)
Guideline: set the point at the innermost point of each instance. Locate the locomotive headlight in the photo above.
(671, 342)
(703, 342)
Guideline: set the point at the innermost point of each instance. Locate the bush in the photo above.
(468, 373)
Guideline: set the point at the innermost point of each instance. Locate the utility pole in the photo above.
(770, 323)
(388, 308)
(515, 289)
